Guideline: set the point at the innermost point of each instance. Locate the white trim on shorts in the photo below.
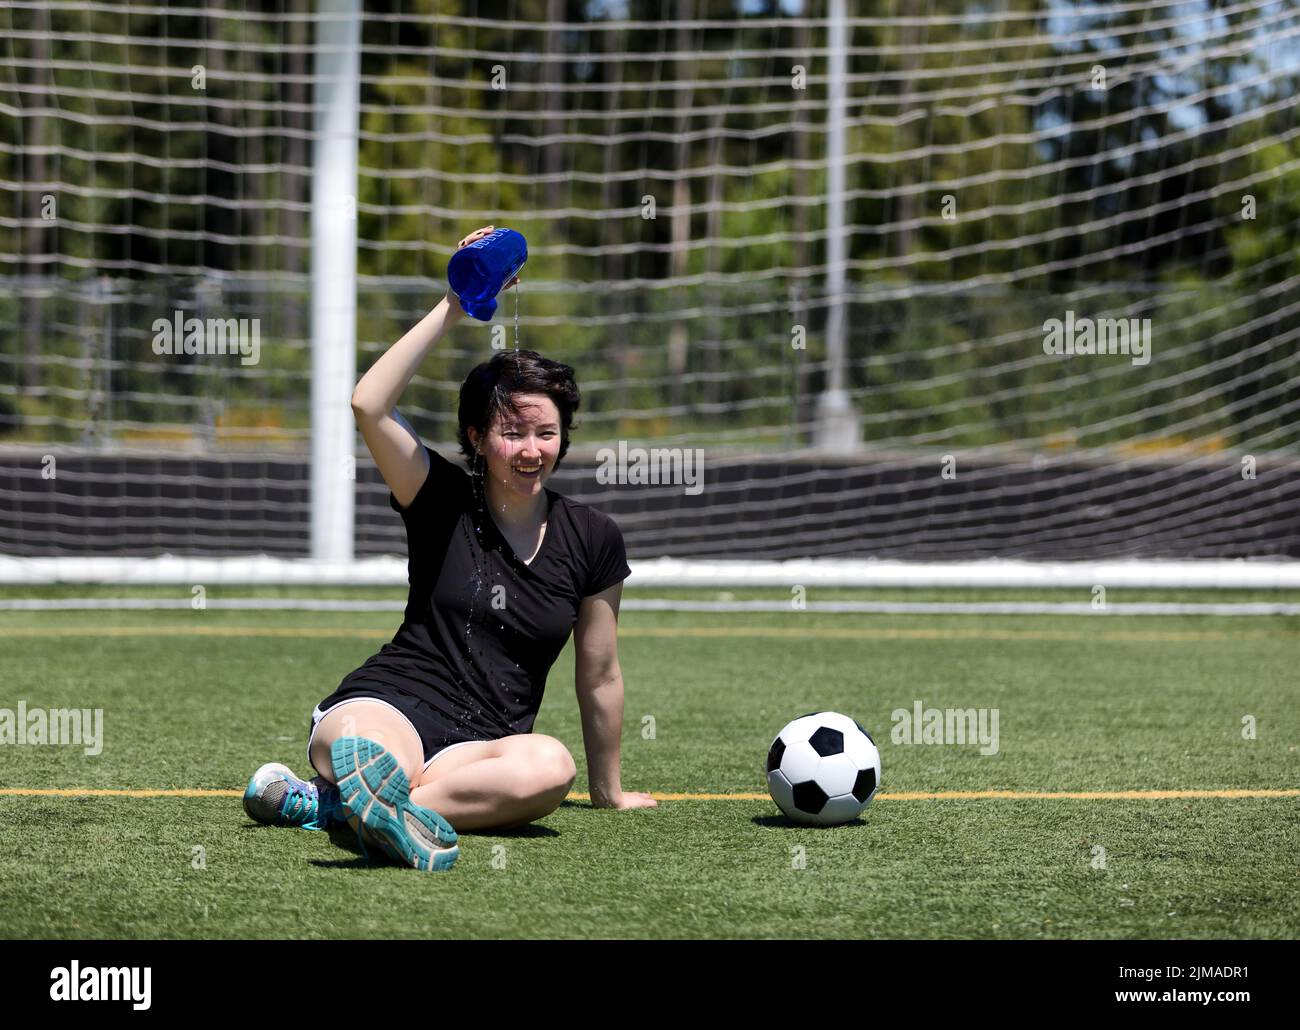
(452, 747)
(317, 715)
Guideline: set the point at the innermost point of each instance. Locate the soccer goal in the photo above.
(998, 294)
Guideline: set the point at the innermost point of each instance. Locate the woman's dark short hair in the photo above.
(492, 386)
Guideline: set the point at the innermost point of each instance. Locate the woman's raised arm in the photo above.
(393, 444)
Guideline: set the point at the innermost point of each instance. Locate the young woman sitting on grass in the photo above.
(435, 731)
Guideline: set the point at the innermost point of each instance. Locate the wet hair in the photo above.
(491, 387)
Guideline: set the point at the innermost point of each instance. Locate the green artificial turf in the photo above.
(1085, 704)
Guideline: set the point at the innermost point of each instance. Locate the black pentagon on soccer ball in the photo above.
(864, 731)
(810, 798)
(864, 784)
(774, 755)
(827, 742)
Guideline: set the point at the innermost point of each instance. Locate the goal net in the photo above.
(948, 283)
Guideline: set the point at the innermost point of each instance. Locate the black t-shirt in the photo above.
(481, 628)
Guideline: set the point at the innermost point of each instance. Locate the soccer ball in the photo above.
(823, 768)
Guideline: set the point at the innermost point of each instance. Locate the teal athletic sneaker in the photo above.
(377, 793)
(276, 797)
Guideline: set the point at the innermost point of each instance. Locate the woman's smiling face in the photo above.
(518, 443)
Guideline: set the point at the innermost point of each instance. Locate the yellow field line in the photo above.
(77, 792)
(193, 631)
(946, 795)
(810, 632)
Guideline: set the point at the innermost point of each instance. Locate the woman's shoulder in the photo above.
(445, 466)
(595, 529)
(448, 475)
(579, 510)
(446, 486)
(601, 545)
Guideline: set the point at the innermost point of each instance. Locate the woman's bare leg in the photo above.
(498, 783)
(375, 721)
(381, 812)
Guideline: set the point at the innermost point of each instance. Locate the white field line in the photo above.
(668, 605)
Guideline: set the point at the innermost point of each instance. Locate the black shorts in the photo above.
(435, 735)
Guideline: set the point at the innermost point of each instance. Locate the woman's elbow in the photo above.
(361, 408)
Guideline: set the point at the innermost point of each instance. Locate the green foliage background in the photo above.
(1125, 201)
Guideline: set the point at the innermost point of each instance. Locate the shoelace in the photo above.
(300, 795)
(329, 809)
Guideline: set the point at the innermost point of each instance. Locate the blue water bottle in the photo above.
(478, 271)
